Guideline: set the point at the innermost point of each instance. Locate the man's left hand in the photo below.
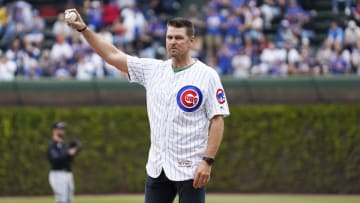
(202, 175)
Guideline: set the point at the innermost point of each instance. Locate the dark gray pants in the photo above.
(163, 190)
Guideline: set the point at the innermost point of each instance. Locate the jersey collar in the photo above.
(176, 70)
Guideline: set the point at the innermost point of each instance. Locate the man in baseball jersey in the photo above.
(60, 156)
(186, 104)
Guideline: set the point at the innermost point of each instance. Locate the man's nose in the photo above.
(172, 41)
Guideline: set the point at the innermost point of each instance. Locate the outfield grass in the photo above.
(211, 198)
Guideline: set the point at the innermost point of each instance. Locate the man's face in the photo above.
(59, 133)
(178, 43)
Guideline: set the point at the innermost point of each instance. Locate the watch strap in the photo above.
(209, 160)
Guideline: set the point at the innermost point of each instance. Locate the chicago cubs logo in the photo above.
(220, 96)
(189, 98)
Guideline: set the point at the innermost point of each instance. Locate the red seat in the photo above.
(111, 12)
(47, 11)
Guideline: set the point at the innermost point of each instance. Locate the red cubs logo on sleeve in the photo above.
(220, 96)
(189, 98)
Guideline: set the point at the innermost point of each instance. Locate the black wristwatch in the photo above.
(210, 161)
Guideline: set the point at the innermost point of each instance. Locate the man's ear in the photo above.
(192, 39)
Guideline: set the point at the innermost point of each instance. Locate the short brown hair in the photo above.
(182, 22)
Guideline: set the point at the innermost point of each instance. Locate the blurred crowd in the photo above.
(231, 37)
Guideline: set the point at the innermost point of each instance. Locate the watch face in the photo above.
(209, 160)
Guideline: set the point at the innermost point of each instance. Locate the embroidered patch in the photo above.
(220, 96)
(189, 98)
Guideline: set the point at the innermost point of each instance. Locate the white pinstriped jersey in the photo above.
(180, 106)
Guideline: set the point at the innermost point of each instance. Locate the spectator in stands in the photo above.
(307, 31)
(61, 49)
(292, 58)
(23, 10)
(253, 21)
(356, 12)
(106, 34)
(30, 60)
(152, 43)
(335, 6)
(224, 56)
(308, 50)
(307, 63)
(271, 62)
(124, 3)
(7, 68)
(134, 22)
(112, 72)
(97, 62)
(32, 50)
(324, 56)
(213, 33)
(18, 23)
(344, 53)
(157, 29)
(299, 19)
(3, 19)
(233, 27)
(269, 10)
(234, 43)
(33, 70)
(62, 70)
(282, 4)
(336, 34)
(118, 29)
(339, 64)
(352, 34)
(197, 17)
(305, 66)
(95, 15)
(355, 58)
(110, 13)
(77, 43)
(85, 70)
(278, 65)
(61, 27)
(16, 53)
(231, 4)
(285, 35)
(254, 49)
(36, 29)
(241, 64)
(46, 64)
(76, 3)
(294, 12)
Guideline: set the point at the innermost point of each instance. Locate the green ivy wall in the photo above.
(269, 148)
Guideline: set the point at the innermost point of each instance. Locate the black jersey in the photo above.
(59, 157)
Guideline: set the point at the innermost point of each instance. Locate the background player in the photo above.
(186, 104)
(60, 156)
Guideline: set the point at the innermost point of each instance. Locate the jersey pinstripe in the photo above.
(180, 106)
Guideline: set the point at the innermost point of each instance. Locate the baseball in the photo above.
(70, 16)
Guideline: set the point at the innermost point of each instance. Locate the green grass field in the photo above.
(211, 198)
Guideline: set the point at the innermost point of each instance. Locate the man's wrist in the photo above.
(209, 160)
(82, 29)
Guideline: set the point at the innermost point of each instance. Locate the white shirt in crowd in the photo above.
(7, 69)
